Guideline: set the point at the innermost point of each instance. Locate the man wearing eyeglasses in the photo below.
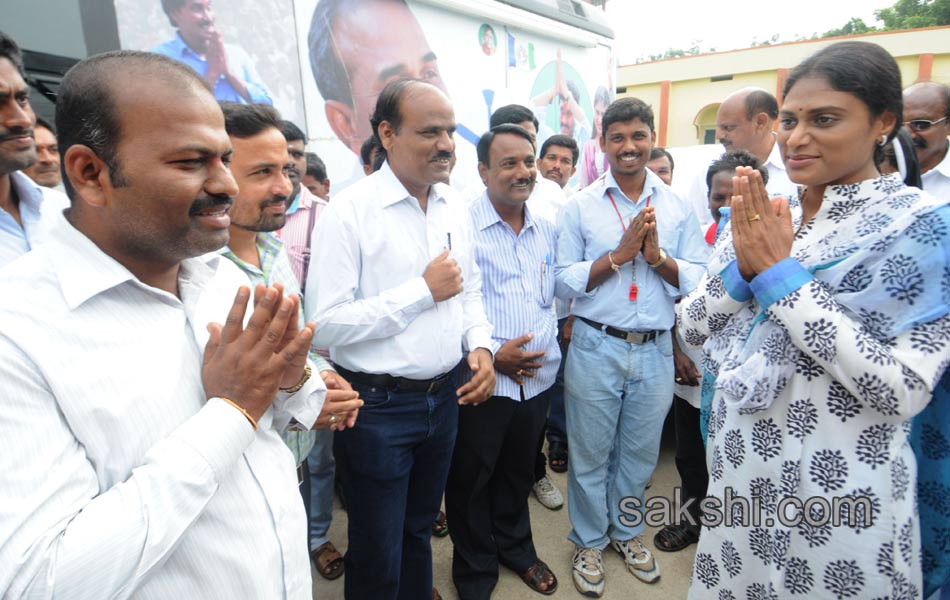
(927, 118)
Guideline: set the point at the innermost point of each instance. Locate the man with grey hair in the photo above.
(927, 118)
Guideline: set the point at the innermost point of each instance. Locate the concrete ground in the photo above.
(550, 530)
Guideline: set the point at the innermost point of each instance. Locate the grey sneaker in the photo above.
(639, 559)
(588, 573)
(547, 494)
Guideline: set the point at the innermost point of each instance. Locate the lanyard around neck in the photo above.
(619, 216)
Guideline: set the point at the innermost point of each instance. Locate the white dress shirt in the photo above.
(365, 289)
(936, 181)
(39, 206)
(118, 478)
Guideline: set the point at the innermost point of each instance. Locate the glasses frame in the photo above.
(910, 124)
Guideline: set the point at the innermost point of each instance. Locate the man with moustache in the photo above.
(557, 161)
(492, 472)
(746, 121)
(45, 171)
(199, 44)
(261, 163)
(927, 118)
(160, 472)
(397, 298)
(27, 210)
(304, 208)
(627, 248)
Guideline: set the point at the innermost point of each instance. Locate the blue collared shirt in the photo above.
(39, 207)
(518, 290)
(240, 63)
(590, 227)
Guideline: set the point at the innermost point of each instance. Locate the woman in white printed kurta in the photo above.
(814, 368)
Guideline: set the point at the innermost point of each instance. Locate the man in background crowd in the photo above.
(927, 117)
(45, 171)
(27, 211)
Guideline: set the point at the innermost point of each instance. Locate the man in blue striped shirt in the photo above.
(493, 465)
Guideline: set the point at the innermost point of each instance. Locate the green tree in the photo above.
(853, 27)
(911, 14)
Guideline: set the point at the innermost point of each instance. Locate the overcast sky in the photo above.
(644, 28)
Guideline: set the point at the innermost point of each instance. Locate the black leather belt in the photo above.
(395, 384)
(633, 337)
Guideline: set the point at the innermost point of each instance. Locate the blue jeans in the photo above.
(322, 469)
(394, 464)
(618, 395)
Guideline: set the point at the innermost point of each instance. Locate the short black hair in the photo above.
(247, 120)
(484, 143)
(329, 72)
(389, 108)
(366, 150)
(512, 114)
(41, 122)
(862, 69)
(565, 141)
(730, 161)
(315, 167)
(86, 108)
(759, 101)
(170, 6)
(622, 110)
(657, 152)
(291, 132)
(10, 50)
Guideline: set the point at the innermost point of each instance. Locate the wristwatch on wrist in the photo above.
(659, 261)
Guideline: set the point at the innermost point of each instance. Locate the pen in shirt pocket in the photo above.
(448, 240)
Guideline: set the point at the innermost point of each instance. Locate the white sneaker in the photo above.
(588, 573)
(548, 495)
(639, 559)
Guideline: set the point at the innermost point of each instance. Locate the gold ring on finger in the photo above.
(333, 419)
(754, 217)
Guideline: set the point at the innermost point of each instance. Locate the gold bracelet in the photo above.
(303, 380)
(242, 409)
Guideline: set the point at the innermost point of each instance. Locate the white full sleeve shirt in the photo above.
(365, 289)
(118, 478)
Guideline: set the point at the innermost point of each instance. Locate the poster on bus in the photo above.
(245, 49)
(322, 64)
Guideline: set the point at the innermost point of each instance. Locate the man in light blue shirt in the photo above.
(227, 68)
(27, 211)
(627, 248)
(486, 498)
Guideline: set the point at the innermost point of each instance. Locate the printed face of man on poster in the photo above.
(356, 48)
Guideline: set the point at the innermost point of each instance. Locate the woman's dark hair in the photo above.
(903, 143)
(860, 68)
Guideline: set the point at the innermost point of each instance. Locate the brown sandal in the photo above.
(539, 574)
(327, 560)
(439, 528)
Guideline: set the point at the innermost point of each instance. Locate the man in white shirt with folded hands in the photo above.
(141, 452)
